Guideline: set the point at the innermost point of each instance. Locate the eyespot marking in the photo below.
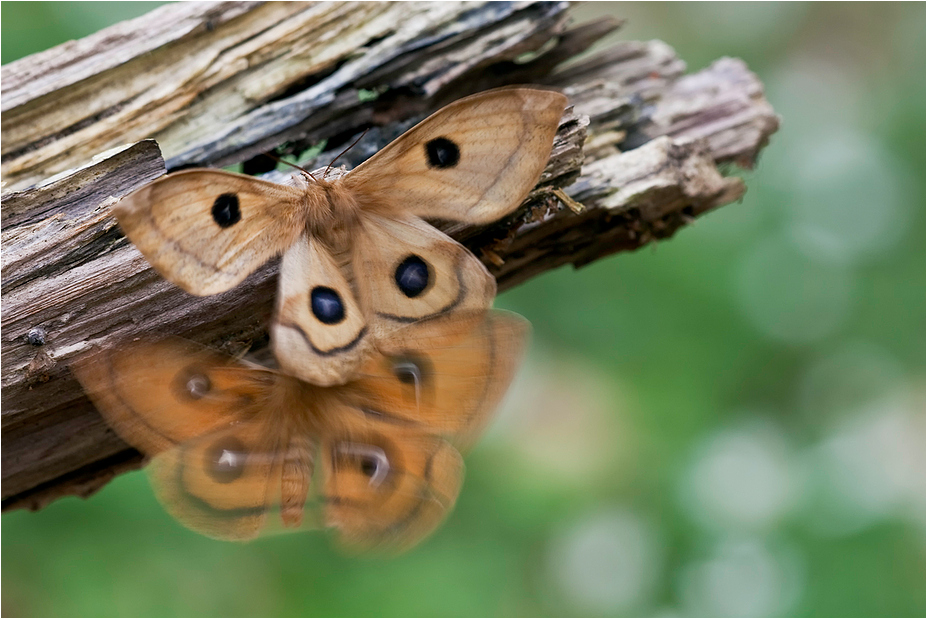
(369, 466)
(193, 384)
(226, 211)
(407, 372)
(225, 461)
(442, 153)
(412, 276)
(198, 385)
(372, 461)
(326, 304)
(412, 369)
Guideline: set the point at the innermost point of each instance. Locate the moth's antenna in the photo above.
(292, 165)
(353, 144)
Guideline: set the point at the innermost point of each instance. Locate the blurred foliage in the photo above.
(728, 423)
(30, 27)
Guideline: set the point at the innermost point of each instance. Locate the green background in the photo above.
(728, 423)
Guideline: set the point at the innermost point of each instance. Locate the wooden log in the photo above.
(221, 83)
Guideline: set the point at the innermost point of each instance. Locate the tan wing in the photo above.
(230, 441)
(407, 270)
(238, 482)
(390, 459)
(385, 484)
(319, 332)
(445, 375)
(206, 230)
(222, 484)
(474, 160)
(234, 445)
(158, 395)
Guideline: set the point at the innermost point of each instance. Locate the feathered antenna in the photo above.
(293, 165)
(341, 154)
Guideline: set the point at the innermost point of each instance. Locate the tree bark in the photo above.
(221, 83)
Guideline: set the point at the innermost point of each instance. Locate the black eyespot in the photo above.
(412, 369)
(369, 466)
(225, 210)
(442, 153)
(225, 461)
(407, 372)
(370, 460)
(326, 305)
(412, 276)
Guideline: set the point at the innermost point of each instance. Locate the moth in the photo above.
(237, 449)
(359, 260)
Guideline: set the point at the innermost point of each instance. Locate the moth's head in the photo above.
(300, 180)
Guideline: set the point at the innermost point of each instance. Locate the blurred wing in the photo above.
(206, 230)
(445, 375)
(474, 160)
(407, 271)
(158, 395)
(319, 332)
(385, 484)
(234, 445)
(228, 440)
(228, 483)
(390, 459)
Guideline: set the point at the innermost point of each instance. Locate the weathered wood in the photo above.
(212, 82)
(640, 149)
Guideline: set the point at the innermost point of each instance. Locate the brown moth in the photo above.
(358, 259)
(238, 450)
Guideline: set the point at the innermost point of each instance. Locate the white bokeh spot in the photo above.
(742, 577)
(791, 297)
(742, 478)
(608, 562)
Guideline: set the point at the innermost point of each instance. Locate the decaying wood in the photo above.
(219, 83)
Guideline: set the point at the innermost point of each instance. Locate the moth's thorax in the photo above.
(330, 207)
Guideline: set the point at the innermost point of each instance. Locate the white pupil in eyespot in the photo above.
(229, 459)
(198, 385)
